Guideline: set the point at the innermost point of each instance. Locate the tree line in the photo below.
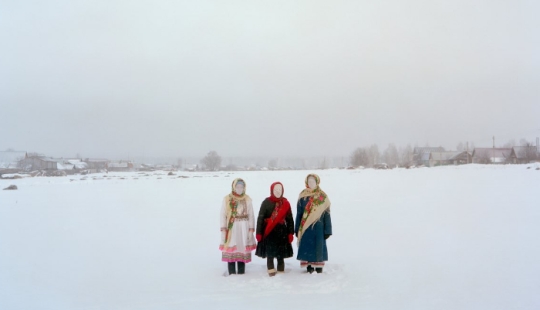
(392, 155)
(369, 156)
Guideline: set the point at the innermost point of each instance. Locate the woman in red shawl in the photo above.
(275, 229)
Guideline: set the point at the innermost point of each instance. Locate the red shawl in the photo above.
(285, 208)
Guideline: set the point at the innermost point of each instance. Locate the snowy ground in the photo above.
(431, 238)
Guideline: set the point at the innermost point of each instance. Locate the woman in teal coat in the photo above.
(313, 225)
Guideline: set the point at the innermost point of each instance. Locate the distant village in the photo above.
(35, 164)
(41, 165)
(437, 156)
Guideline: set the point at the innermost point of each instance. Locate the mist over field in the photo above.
(124, 123)
(124, 79)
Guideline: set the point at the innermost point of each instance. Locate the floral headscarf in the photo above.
(318, 203)
(232, 204)
(311, 192)
(233, 194)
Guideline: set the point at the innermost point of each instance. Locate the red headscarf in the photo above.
(274, 198)
(282, 203)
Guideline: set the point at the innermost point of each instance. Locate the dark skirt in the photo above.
(276, 244)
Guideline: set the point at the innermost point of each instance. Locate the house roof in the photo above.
(60, 166)
(489, 152)
(427, 149)
(50, 159)
(444, 155)
(77, 163)
(96, 160)
(81, 166)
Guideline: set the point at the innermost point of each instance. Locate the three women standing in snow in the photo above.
(237, 227)
(313, 225)
(275, 228)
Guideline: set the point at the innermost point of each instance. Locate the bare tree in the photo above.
(530, 152)
(511, 143)
(324, 164)
(391, 155)
(373, 155)
(460, 147)
(212, 161)
(359, 158)
(406, 156)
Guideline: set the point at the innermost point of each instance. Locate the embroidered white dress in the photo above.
(242, 240)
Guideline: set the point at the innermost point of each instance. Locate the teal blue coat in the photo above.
(313, 244)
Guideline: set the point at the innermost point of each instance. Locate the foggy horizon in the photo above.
(269, 79)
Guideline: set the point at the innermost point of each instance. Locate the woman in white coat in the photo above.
(237, 228)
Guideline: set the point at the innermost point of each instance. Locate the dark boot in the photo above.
(319, 270)
(270, 266)
(280, 265)
(241, 268)
(270, 263)
(310, 269)
(232, 268)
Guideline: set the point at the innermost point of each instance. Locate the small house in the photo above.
(449, 158)
(96, 163)
(120, 166)
(492, 155)
(40, 162)
(420, 155)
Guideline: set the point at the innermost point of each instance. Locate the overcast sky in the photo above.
(245, 78)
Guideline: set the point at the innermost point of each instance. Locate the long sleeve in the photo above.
(327, 223)
(290, 222)
(260, 219)
(223, 216)
(251, 217)
(299, 214)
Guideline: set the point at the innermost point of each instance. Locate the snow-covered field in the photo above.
(432, 238)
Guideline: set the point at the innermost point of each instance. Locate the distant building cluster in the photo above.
(438, 156)
(15, 162)
(39, 164)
